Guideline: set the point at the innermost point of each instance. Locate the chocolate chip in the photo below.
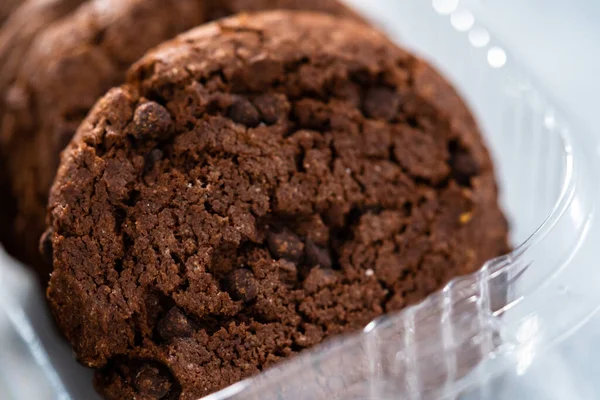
(151, 120)
(463, 166)
(174, 324)
(243, 112)
(272, 107)
(150, 383)
(242, 285)
(286, 245)
(317, 256)
(381, 103)
(46, 248)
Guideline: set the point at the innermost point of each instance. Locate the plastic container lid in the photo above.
(461, 342)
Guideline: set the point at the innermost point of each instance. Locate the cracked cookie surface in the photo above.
(259, 185)
(59, 60)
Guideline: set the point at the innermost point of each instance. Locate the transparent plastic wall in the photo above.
(482, 336)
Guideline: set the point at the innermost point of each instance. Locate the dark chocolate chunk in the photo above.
(287, 245)
(150, 383)
(463, 166)
(273, 107)
(381, 103)
(242, 285)
(151, 120)
(174, 324)
(243, 112)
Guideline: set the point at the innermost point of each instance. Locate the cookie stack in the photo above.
(243, 192)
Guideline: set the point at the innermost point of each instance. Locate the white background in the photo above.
(560, 41)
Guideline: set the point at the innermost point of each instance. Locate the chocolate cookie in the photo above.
(223, 8)
(6, 9)
(21, 29)
(74, 62)
(258, 185)
(16, 36)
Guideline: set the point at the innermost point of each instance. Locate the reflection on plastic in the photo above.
(479, 37)
(496, 57)
(462, 20)
(444, 7)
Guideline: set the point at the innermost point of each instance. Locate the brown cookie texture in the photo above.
(258, 185)
(71, 64)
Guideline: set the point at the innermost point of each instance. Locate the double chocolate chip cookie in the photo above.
(61, 57)
(261, 184)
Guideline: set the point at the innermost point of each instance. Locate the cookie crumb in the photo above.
(465, 218)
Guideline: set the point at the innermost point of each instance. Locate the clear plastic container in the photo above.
(458, 343)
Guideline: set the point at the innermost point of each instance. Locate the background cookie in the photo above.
(222, 8)
(16, 36)
(6, 8)
(259, 185)
(72, 63)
